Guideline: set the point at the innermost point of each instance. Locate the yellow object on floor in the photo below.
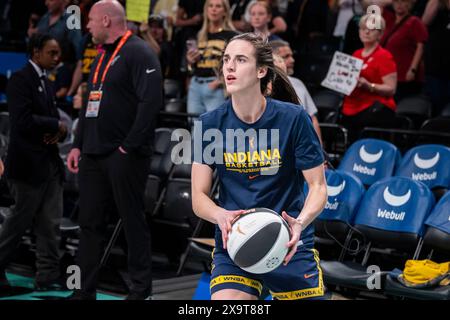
(425, 273)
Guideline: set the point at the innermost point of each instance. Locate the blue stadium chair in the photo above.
(437, 240)
(345, 192)
(428, 164)
(391, 216)
(371, 160)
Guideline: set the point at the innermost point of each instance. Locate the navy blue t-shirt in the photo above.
(262, 169)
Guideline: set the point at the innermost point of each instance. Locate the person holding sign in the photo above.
(112, 147)
(372, 101)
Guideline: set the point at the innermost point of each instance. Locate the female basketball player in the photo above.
(260, 173)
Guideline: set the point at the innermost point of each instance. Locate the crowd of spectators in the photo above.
(188, 36)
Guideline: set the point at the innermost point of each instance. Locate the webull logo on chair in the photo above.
(394, 201)
(345, 191)
(368, 158)
(371, 160)
(429, 164)
(396, 204)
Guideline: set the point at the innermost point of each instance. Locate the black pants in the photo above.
(120, 178)
(377, 115)
(38, 206)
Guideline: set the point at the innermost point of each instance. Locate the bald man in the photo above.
(112, 148)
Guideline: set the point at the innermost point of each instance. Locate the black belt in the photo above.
(203, 80)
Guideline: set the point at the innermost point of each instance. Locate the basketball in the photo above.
(257, 241)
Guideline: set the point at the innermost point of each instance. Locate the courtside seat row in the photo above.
(372, 160)
(394, 213)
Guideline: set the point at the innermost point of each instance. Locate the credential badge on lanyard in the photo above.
(95, 96)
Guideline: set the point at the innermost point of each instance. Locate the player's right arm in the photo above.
(204, 207)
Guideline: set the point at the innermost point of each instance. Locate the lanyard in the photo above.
(100, 61)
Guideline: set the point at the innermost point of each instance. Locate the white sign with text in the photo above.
(343, 73)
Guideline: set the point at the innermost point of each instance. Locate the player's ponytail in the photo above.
(282, 88)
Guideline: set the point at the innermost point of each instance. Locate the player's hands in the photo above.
(296, 230)
(225, 218)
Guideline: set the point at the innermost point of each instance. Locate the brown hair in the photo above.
(264, 58)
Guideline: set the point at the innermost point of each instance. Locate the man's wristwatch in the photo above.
(372, 87)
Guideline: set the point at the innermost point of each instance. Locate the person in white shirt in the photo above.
(282, 49)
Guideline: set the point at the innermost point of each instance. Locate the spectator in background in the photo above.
(54, 22)
(237, 8)
(260, 12)
(404, 37)
(83, 67)
(347, 9)
(437, 53)
(156, 36)
(372, 102)
(168, 10)
(189, 17)
(205, 92)
(277, 24)
(188, 23)
(283, 50)
(60, 78)
(352, 42)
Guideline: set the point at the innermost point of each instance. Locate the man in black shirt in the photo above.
(114, 139)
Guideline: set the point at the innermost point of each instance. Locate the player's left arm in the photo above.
(317, 195)
(314, 204)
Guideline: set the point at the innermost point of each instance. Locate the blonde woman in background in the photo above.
(205, 92)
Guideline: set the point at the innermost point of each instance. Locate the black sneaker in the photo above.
(138, 296)
(80, 295)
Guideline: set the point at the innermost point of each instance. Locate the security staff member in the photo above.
(34, 170)
(114, 140)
